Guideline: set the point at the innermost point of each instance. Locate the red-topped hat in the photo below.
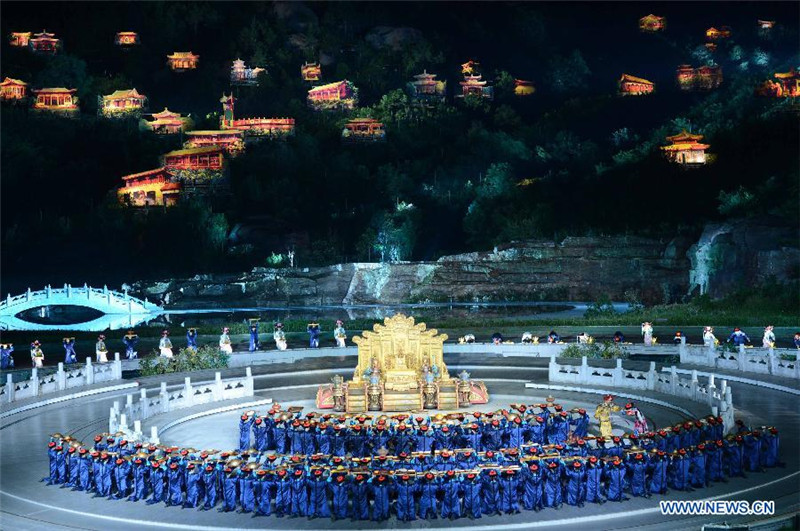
(477, 414)
(592, 459)
(539, 419)
(638, 456)
(582, 411)
(576, 464)
(534, 467)
(51, 444)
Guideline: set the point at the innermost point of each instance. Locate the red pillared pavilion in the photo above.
(523, 87)
(19, 39)
(474, 85)
(253, 127)
(122, 102)
(56, 99)
(363, 130)
(126, 38)
(44, 42)
(634, 86)
(713, 33)
(232, 141)
(338, 95)
(13, 89)
(311, 72)
(652, 23)
(426, 87)
(685, 148)
(786, 85)
(149, 188)
(202, 158)
(182, 61)
(165, 122)
(703, 77)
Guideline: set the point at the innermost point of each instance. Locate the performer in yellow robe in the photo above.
(603, 415)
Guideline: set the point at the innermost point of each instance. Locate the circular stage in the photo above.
(29, 504)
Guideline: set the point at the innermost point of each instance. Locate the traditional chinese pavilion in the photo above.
(182, 61)
(122, 103)
(786, 86)
(126, 38)
(242, 75)
(469, 67)
(341, 95)
(474, 85)
(523, 87)
(44, 42)
(253, 127)
(686, 149)
(232, 141)
(713, 33)
(165, 122)
(13, 89)
(766, 24)
(635, 86)
(149, 188)
(426, 87)
(19, 39)
(311, 72)
(56, 99)
(363, 130)
(703, 78)
(652, 23)
(201, 158)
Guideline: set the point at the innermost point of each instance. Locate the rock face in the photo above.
(581, 269)
(736, 254)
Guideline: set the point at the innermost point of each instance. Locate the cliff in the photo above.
(585, 269)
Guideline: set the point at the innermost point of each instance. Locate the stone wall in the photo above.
(580, 269)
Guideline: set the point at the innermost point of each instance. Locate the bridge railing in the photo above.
(38, 385)
(720, 398)
(111, 298)
(191, 394)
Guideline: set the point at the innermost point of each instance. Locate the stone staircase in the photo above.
(402, 401)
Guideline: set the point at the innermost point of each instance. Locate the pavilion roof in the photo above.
(54, 90)
(183, 55)
(328, 86)
(685, 146)
(791, 74)
(634, 79)
(193, 151)
(12, 81)
(147, 173)
(684, 136)
(124, 94)
(223, 132)
(166, 113)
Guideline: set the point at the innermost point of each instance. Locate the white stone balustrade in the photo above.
(36, 385)
(719, 399)
(190, 394)
(754, 360)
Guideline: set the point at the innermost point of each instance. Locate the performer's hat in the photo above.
(582, 411)
(576, 464)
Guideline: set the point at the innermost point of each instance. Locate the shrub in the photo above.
(206, 357)
(606, 350)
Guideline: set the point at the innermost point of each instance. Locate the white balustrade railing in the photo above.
(111, 300)
(187, 396)
(87, 374)
(668, 382)
(755, 360)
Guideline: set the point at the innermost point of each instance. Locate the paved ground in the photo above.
(27, 504)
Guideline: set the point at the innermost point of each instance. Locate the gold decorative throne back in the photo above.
(401, 349)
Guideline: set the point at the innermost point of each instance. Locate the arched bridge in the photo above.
(119, 308)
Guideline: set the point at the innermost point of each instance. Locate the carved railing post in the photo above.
(89, 372)
(34, 382)
(10, 390)
(61, 377)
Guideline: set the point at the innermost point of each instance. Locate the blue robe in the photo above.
(318, 499)
(299, 496)
(658, 478)
(752, 453)
(714, 466)
(121, 475)
(260, 435)
(175, 481)
(6, 359)
(247, 497)
(581, 425)
(552, 487)
(69, 352)
(261, 489)
(532, 482)
(427, 497)
(594, 483)
(244, 433)
(380, 498)
(405, 490)
(509, 495)
(210, 481)
(191, 340)
(340, 491)
(139, 491)
(471, 491)
(72, 469)
(359, 490)
(130, 346)
(283, 495)
(84, 473)
(229, 484)
(616, 482)
(157, 485)
(637, 470)
(451, 504)
(255, 344)
(575, 490)
(490, 494)
(679, 477)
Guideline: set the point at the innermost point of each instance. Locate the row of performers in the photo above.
(333, 486)
(362, 435)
